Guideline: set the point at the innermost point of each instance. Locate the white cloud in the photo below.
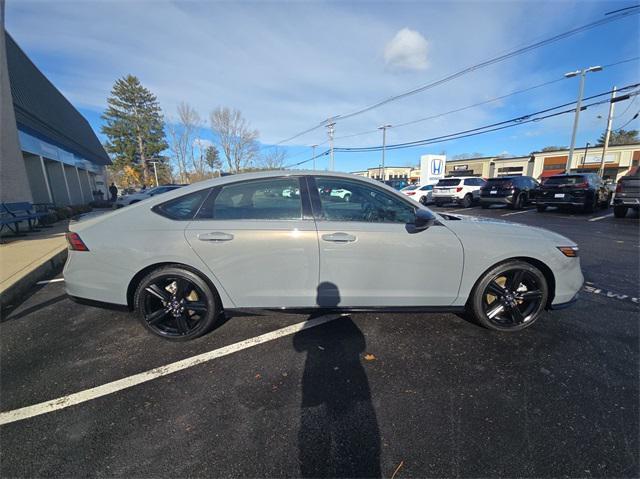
(407, 50)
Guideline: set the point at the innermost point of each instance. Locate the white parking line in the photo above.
(517, 212)
(460, 209)
(601, 217)
(128, 382)
(50, 281)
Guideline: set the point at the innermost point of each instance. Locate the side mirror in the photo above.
(424, 219)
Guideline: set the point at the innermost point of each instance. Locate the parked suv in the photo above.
(627, 193)
(513, 191)
(583, 190)
(461, 190)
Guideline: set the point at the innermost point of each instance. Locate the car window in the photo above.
(184, 207)
(565, 180)
(448, 182)
(347, 200)
(409, 188)
(427, 188)
(271, 199)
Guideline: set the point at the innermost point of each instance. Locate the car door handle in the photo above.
(339, 238)
(215, 236)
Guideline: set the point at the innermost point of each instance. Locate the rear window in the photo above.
(409, 188)
(448, 182)
(182, 208)
(498, 181)
(426, 188)
(565, 180)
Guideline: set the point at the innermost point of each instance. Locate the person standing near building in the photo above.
(113, 189)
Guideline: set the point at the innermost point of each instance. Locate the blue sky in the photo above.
(289, 65)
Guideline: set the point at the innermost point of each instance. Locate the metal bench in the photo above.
(12, 214)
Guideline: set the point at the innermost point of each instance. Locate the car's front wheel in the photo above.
(509, 297)
(176, 304)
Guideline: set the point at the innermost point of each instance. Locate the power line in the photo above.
(632, 118)
(484, 129)
(518, 120)
(478, 66)
(324, 153)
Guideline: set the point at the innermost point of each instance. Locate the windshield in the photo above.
(449, 182)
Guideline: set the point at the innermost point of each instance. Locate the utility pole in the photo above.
(384, 145)
(155, 170)
(576, 119)
(313, 155)
(331, 130)
(612, 105)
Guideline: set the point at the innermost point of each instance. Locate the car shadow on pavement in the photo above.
(339, 434)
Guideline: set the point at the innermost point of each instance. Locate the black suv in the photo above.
(586, 191)
(513, 191)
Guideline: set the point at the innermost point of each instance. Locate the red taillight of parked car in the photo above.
(581, 185)
(458, 189)
(410, 193)
(75, 243)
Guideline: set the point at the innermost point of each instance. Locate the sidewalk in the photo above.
(25, 260)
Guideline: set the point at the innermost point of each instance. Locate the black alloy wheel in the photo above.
(510, 297)
(467, 200)
(517, 203)
(423, 200)
(176, 304)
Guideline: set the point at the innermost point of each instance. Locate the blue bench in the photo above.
(12, 214)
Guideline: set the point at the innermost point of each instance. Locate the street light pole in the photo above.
(384, 146)
(576, 119)
(612, 105)
(331, 130)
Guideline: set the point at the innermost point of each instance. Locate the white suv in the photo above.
(462, 190)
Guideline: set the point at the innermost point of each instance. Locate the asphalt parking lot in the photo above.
(366, 395)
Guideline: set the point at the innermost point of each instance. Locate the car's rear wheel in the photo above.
(423, 200)
(620, 211)
(467, 200)
(510, 297)
(591, 205)
(347, 198)
(176, 304)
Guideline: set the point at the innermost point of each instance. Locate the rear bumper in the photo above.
(557, 202)
(496, 200)
(630, 202)
(446, 199)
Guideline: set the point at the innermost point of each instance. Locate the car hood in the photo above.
(469, 226)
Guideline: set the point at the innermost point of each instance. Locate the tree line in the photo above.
(139, 139)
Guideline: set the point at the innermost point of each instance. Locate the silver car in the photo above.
(182, 258)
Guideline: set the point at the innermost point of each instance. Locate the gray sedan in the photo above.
(238, 242)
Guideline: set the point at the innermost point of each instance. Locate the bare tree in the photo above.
(273, 159)
(238, 141)
(182, 138)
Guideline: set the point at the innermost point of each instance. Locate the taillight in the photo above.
(411, 193)
(458, 189)
(581, 185)
(619, 187)
(75, 243)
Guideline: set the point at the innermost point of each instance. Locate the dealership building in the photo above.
(48, 151)
(617, 162)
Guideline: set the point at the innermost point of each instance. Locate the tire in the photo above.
(541, 208)
(620, 211)
(517, 204)
(423, 200)
(189, 311)
(347, 198)
(590, 206)
(509, 297)
(467, 201)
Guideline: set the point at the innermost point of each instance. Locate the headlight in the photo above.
(569, 251)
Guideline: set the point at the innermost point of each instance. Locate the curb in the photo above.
(15, 293)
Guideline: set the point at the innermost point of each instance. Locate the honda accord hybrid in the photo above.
(237, 242)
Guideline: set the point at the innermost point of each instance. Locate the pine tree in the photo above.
(620, 137)
(134, 126)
